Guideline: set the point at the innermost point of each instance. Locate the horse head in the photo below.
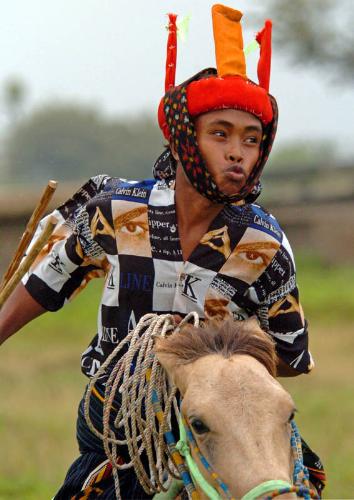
(238, 413)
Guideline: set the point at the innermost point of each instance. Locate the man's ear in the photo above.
(173, 150)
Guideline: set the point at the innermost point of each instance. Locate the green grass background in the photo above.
(41, 386)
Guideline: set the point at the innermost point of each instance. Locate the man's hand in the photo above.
(18, 310)
(177, 318)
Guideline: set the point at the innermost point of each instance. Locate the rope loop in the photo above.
(138, 403)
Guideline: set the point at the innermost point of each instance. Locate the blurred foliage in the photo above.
(303, 154)
(13, 97)
(70, 141)
(316, 32)
(327, 289)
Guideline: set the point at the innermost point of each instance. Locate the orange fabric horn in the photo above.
(230, 59)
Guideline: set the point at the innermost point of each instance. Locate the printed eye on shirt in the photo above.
(62, 232)
(251, 256)
(131, 228)
(220, 308)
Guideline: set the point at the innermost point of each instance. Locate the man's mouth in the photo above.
(235, 173)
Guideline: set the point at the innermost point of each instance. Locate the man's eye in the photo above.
(252, 140)
(219, 133)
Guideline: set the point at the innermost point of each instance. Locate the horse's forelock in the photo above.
(226, 338)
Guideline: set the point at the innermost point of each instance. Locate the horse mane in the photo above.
(221, 337)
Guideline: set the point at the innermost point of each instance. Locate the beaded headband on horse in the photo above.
(210, 90)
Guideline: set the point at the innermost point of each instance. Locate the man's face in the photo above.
(229, 141)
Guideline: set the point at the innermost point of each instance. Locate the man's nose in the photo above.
(234, 157)
(234, 153)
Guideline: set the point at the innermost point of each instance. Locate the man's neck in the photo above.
(194, 213)
(192, 207)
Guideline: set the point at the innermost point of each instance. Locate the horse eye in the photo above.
(199, 427)
(292, 416)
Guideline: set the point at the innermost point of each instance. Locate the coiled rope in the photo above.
(136, 375)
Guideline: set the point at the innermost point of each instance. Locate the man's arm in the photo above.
(282, 314)
(57, 272)
(284, 370)
(18, 310)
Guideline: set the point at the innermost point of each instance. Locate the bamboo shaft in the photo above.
(29, 231)
(28, 260)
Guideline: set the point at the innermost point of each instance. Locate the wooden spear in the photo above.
(31, 227)
(28, 260)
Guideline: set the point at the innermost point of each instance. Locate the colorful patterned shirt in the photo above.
(127, 232)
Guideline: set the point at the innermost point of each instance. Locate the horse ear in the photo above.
(166, 359)
(178, 373)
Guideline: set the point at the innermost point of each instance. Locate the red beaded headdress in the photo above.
(226, 87)
(230, 87)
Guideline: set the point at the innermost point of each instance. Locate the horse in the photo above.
(235, 419)
(237, 412)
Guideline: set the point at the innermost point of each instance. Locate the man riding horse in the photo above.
(192, 239)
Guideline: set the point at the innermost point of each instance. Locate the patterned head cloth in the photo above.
(210, 90)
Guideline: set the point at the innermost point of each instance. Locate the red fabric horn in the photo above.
(264, 38)
(171, 56)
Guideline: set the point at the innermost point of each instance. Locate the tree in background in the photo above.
(14, 96)
(302, 155)
(68, 142)
(316, 32)
(71, 142)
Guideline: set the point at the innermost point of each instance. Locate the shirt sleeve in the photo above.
(73, 256)
(289, 329)
(285, 317)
